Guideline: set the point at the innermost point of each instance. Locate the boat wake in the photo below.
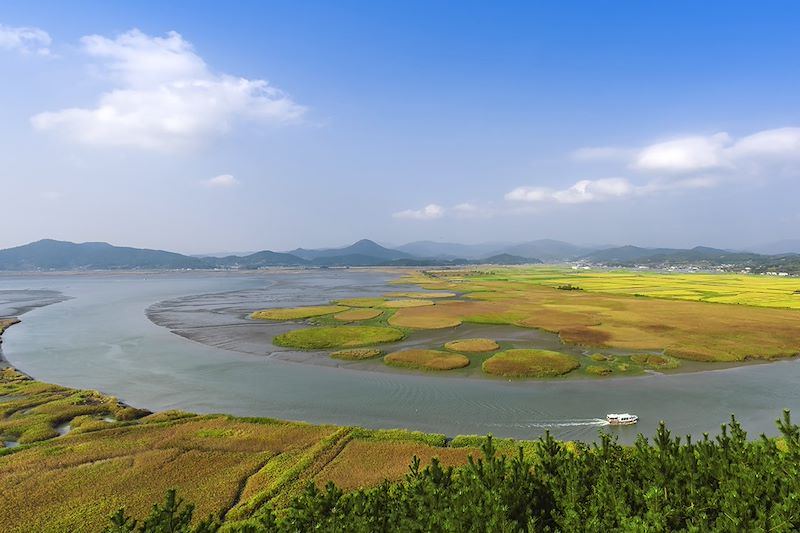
(545, 424)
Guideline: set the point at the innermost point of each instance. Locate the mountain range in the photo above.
(54, 255)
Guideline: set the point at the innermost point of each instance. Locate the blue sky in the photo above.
(203, 127)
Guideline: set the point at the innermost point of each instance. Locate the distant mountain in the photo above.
(61, 255)
(786, 246)
(364, 247)
(450, 250)
(49, 254)
(508, 259)
(625, 255)
(264, 258)
(546, 250)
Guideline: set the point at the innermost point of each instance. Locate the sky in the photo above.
(205, 127)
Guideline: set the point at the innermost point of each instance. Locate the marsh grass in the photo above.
(529, 363)
(360, 302)
(229, 466)
(356, 354)
(472, 345)
(320, 338)
(297, 313)
(403, 304)
(356, 315)
(426, 360)
(685, 316)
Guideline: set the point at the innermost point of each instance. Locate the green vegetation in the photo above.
(297, 313)
(681, 315)
(723, 484)
(529, 363)
(356, 354)
(402, 304)
(353, 315)
(418, 319)
(426, 359)
(598, 370)
(6, 323)
(423, 295)
(472, 345)
(655, 361)
(337, 337)
(360, 302)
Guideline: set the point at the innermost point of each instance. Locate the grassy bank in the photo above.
(115, 455)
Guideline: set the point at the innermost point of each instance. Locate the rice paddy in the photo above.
(472, 345)
(426, 359)
(529, 363)
(337, 337)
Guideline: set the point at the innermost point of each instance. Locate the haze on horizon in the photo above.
(206, 128)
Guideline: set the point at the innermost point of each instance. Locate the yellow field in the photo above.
(744, 289)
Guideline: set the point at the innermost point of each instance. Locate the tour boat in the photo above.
(621, 419)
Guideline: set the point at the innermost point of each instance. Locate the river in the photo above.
(101, 338)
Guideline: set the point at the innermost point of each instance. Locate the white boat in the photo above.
(621, 419)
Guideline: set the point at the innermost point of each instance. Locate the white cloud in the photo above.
(223, 181)
(167, 98)
(687, 154)
(429, 212)
(581, 192)
(698, 153)
(777, 143)
(27, 40)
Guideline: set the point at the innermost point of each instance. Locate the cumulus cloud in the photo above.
(27, 40)
(583, 191)
(687, 154)
(429, 212)
(223, 181)
(719, 152)
(778, 143)
(167, 97)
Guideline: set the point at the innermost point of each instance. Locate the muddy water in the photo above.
(101, 338)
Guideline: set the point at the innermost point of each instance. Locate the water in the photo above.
(101, 339)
